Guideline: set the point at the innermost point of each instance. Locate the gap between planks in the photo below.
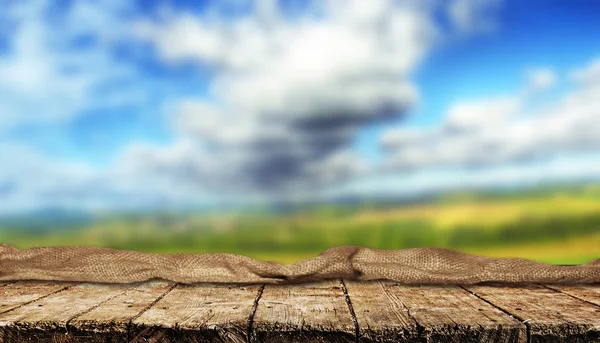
(351, 309)
(527, 326)
(543, 321)
(146, 308)
(42, 296)
(561, 289)
(250, 334)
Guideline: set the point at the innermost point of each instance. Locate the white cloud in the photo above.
(588, 76)
(435, 180)
(493, 132)
(144, 176)
(477, 114)
(32, 180)
(540, 79)
(289, 94)
(472, 16)
(43, 79)
(287, 98)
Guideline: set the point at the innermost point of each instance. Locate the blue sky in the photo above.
(109, 104)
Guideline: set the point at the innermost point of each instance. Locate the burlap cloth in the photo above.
(410, 266)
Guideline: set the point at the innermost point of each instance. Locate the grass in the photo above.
(571, 251)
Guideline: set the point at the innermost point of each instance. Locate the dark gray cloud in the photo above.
(290, 97)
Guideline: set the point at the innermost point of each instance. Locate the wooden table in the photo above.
(329, 311)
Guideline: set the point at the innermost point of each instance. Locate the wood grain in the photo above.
(329, 311)
(46, 320)
(551, 316)
(198, 313)
(109, 322)
(381, 316)
(13, 295)
(315, 312)
(589, 293)
(451, 314)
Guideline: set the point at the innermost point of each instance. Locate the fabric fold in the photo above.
(408, 266)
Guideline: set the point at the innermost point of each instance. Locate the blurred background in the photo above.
(278, 129)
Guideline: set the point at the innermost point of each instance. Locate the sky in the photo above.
(112, 105)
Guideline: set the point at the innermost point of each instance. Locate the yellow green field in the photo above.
(562, 227)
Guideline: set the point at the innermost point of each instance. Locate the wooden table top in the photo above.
(329, 311)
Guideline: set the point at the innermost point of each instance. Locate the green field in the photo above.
(561, 226)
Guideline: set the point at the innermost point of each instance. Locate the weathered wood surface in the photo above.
(589, 293)
(380, 314)
(550, 315)
(315, 312)
(440, 314)
(198, 313)
(18, 294)
(329, 311)
(110, 322)
(47, 319)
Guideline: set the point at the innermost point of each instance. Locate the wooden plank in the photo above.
(589, 293)
(451, 314)
(38, 311)
(13, 295)
(381, 316)
(46, 319)
(198, 313)
(551, 316)
(110, 321)
(315, 312)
